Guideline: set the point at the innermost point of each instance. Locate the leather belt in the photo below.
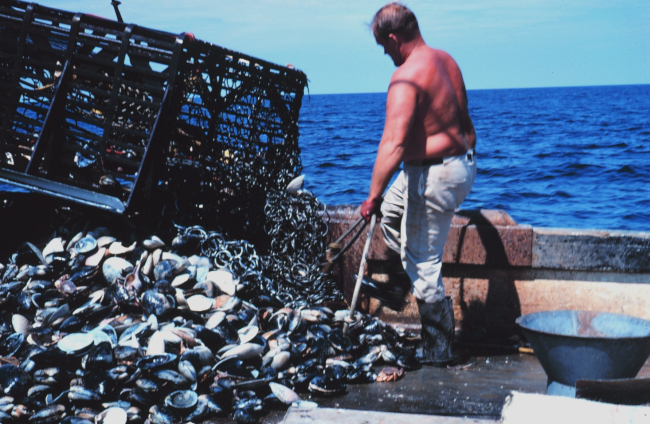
(438, 161)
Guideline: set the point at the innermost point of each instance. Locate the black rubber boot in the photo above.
(394, 293)
(437, 333)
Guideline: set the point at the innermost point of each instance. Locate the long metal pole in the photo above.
(115, 4)
(362, 266)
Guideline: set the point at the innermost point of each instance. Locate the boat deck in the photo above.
(476, 389)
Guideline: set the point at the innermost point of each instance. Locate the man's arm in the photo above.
(400, 112)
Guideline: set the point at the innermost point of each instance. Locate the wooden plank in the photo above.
(350, 416)
(625, 391)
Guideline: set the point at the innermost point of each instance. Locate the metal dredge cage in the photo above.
(235, 136)
(130, 119)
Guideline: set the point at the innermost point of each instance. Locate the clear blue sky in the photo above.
(497, 43)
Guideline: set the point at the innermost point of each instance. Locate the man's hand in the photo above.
(371, 207)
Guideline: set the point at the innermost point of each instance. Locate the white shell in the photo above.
(74, 240)
(112, 416)
(199, 261)
(54, 246)
(99, 337)
(295, 185)
(21, 324)
(154, 243)
(214, 320)
(281, 361)
(156, 257)
(153, 322)
(180, 280)
(171, 337)
(224, 280)
(156, 344)
(180, 298)
(247, 334)
(115, 267)
(283, 393)
(180, 263)
(244, 351)
(200, 303)
(202, 272)
(147, 269)
(75, 342)
(268, 356)
(96, 259)
(116, 248)
(104, 241)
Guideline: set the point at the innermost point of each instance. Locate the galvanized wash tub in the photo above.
(585, 345)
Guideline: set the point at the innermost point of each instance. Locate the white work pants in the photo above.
(417, 213)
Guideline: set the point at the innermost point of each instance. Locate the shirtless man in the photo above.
(429, 130)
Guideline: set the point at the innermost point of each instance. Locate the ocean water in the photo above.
(575, 157)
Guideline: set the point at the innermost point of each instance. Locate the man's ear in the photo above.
(394, 38)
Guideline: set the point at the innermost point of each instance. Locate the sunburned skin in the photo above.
(441, 125)
(426, 110)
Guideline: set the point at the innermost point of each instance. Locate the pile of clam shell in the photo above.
(96, 330)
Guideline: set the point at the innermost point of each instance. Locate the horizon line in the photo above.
(490, 89)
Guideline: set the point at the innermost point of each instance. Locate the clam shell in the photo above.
(200, 303)
(281, 361)
(156, 256)
(223, 279)
(99, 336)
(294, 187)
(230, 304)
(113, 415)
(74, 241)
(179, 295)
(156, 344)
(187, 370)
(84, 245)
(153, 243)
(75, 342)
(21, 324)
(117, 248)
(284, 394)
(215, 319)
(200, 261)
(53, 246)
(247, 334)
(104, 241)
(96, 258)
(244, 351)
(163, 271)
(115, 267)
(147, 268)
(153, 322)
(179, 280)
(181, 400)
(176, 335)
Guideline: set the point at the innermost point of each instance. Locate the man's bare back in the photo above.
(441, 126)
(426, 111)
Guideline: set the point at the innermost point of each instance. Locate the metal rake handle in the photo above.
(362, 265)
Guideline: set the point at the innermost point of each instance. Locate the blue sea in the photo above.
(571, 157)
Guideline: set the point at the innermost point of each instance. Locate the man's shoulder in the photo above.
(416, 67)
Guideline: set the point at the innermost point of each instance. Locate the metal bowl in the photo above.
(585, 345)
